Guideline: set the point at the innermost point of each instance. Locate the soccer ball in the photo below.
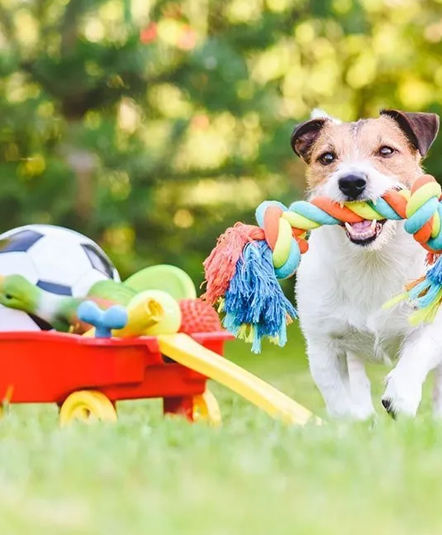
(55, 259)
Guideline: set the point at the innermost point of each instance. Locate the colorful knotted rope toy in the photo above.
(242, 271)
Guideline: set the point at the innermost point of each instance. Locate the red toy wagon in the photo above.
(85, 376)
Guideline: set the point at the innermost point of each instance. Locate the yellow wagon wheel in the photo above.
(87, 406)
(206, 409)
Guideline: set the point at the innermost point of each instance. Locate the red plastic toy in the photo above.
(85, 377)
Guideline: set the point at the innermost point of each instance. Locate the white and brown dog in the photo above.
(349, 272)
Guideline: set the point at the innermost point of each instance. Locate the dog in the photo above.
(350, 271)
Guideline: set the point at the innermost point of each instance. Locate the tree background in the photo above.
(152, 125)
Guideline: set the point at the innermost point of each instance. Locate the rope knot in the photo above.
(286, 242)
(424, 213)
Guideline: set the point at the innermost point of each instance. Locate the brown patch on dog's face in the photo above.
(379, 143)
(360, 161)
(390, 147)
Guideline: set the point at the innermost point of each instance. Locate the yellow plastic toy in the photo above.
(149, 313)
(184, 350)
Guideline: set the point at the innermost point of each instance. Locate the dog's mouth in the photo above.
(364, 232)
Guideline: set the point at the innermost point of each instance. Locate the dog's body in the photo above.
(349, 273)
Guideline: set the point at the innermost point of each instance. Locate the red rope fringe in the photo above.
(220, 266)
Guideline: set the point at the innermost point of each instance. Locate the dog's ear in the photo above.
(420, 128)
(305, 134)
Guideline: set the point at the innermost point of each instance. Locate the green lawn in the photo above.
(148, 475)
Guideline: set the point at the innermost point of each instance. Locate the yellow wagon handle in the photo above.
(187, 352)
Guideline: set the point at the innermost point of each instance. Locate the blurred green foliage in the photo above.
(152, 125)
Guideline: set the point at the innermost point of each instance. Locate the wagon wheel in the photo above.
(206, 409)
(87, 406)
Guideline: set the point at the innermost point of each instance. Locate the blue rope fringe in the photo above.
(255, 298)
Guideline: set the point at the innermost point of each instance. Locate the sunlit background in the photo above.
(151, 126)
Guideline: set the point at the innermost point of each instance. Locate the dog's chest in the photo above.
(344, 298)
(363, 325)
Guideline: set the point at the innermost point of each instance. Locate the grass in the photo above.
(149, 475)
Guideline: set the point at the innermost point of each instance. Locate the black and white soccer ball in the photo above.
(55, 259)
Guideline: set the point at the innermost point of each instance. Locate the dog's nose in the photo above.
(352, 185)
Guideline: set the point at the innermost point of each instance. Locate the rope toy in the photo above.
(243, 269)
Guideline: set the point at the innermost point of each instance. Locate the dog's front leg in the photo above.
(437, 392)
(422, 352)
(328, 366)
(360, 387)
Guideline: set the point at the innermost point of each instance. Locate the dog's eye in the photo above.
(385, 151)
(327, 158)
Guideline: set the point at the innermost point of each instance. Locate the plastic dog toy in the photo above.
(60, 311)
(149, 313)
(104, 321)
(242, 270)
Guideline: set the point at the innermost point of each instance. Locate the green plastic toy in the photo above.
(164, 277)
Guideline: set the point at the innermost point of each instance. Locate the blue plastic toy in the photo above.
(104, 321)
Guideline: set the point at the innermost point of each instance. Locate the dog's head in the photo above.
(362, 160)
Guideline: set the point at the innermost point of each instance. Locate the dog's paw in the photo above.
(401, 396)
(387, 403)
(362, 414)
(352, 413)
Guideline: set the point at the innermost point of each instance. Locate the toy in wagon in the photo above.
(72, 333)
(54, 259)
